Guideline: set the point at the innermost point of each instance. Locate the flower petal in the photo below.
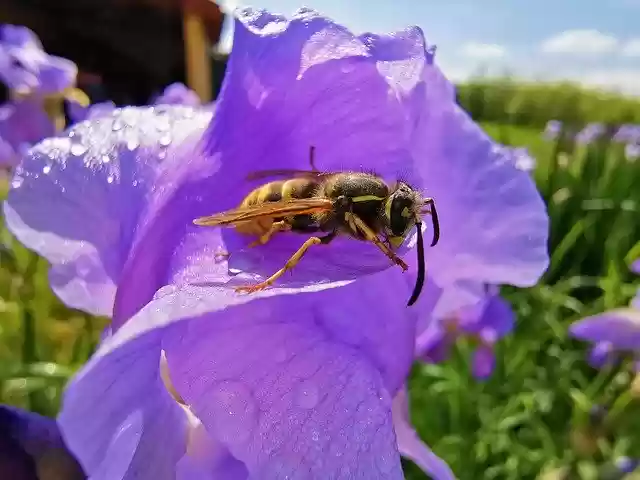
(410, 445)
(24, 123)
(483, 362)
(299, 355)
(289, 85)
(31, 448)
(119, 419)
(620, 328)
(178, 94)
(76, 197)
(493, 221)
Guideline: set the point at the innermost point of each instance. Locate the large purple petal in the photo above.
(120, 420)
(289, 85)
(411, 446)
(76, 197)
(31, 448)
(312, 370)
(619, 328)
(494, 223)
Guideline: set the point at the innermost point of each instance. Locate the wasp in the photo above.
(359, 205)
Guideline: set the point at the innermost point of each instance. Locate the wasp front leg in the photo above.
(358, 224)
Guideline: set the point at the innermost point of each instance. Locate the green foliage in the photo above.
(533, 104)
(533, 414)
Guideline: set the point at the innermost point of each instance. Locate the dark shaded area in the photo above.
(127, 51)
(31, 449)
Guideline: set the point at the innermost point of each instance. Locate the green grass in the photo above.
(523, 420)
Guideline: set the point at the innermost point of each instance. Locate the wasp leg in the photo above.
(276, 227)
(356, 223)
(292, 262)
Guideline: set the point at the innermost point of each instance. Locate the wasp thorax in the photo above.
(402, 209)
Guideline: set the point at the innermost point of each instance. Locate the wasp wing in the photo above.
(265, 210)
(290, 173)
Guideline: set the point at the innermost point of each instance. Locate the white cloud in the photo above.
(483, 51)
(580, 42)
(624, 80)
(631, 48)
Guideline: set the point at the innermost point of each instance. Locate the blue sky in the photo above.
(593, 42)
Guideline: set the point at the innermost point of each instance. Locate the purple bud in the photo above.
(552, 130)
(590, 133)
(483, 362)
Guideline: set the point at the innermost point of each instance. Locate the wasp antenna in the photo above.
(434, 220)
(421, 268)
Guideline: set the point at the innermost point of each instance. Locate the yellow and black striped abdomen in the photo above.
(281, 190)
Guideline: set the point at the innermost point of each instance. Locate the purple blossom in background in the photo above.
(79, 113)
(612, 333)
(552, 130)
(31, 448)
(178, 94)
(30, 72)
(590, 133)
(26, 68)
(486, 321)
(22, 123)
(629, 134)
(296, 381)
(632, 151)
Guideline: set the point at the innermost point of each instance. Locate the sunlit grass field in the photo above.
(534, 413)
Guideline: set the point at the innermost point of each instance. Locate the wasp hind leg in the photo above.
(291, 263)
(275, 227)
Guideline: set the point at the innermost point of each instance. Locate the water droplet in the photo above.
(386, 455)
(132, 144)
(117, 124)
(46, 169)
(306, 394)
(78, 149)
(234, 412)
(166, 290)
(16, 182)
(165, 140)
(315, 436)
(134, 183)
(110, 179)
(105, 159)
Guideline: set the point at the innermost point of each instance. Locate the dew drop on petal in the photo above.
(306, 395)
(234, 412)
(16, 182)
(117, 124)
(105, 159)
(78, 149)
(165, 140)
(46, 169)
(110, 179)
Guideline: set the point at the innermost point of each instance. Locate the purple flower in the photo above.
(552, 130)
(590, 133)
(486, 321)
(410, 445)
(629, 134)
(613, 333)
(26, 68)
(31, 448)
(22, 123)
(632, 151)
(79, 113)
(178, 94)
(297, 380)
